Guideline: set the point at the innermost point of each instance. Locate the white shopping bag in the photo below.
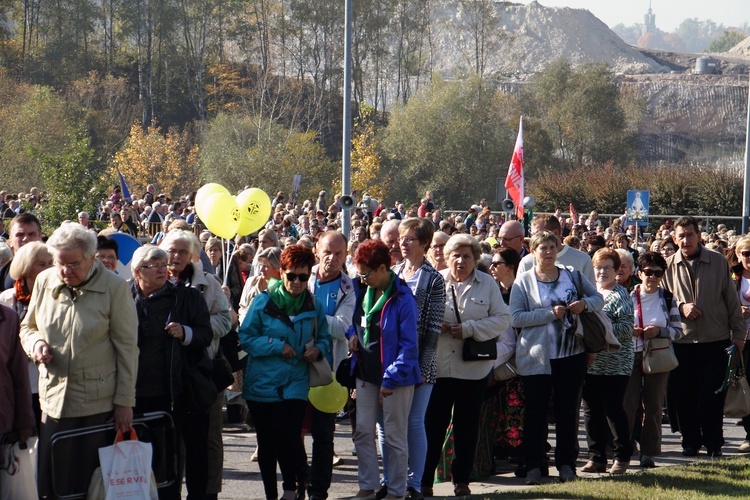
(126, 469)
(18, 471)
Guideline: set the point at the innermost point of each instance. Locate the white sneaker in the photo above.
(254, 458)
(744, 447)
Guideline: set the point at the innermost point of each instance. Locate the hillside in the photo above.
(526, 38)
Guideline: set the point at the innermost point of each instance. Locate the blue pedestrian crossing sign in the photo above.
(637, 207)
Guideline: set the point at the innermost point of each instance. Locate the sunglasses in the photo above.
(652, 272)
(496, 263)
(745, 253)
(302, 277)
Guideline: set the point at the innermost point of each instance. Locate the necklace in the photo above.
(543, 277)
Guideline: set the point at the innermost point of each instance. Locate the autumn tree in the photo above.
(162, 159)
(368, 174)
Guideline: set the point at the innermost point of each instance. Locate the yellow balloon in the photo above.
(329, 398)
(221, 215)
(255, 209)
(203, 194)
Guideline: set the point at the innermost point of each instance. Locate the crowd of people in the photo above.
(461, 335)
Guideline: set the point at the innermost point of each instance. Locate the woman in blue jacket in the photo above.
(281, 320)
(384, 337)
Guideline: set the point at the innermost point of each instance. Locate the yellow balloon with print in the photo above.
(255, 209)
(329, 398)
(203, 194)
(221, 215)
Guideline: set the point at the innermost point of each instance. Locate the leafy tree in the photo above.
(235, 152)
(581, 111)
(73, 181)
(697, 35)
(726, 41)
(34, 122)
(452, 138)
(152, 157)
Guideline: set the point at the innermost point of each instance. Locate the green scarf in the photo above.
(370, 310)
(283, 299)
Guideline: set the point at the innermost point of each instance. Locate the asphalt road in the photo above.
(242, 477)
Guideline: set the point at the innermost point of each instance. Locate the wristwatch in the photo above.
(585, 306)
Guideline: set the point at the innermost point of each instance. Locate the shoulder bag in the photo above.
(658, 353)
(737, 402)
(474, 350)
(320, 372)
(592, 325)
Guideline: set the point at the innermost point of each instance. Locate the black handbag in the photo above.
(230, 346)
(344, 375)
(198, 384)
(222, 372)
(474, 350)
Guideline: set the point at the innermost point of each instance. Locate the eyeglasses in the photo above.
(407, 240)
(436, 247)
(604, 268)
(302, 277)
(506, 238)
(654, 272)
(496, 263)
(365, 276)
(745, 253)
(70, 267)
(155, 266)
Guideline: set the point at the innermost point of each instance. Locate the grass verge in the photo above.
(715, 479)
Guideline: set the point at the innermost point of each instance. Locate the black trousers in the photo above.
(564, 384)
(278, 426)
(603, 412)
(464, 399)
(692, 389)
(192, 430)
(322, 426)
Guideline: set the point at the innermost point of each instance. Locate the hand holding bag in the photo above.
(320, 372)
(658, 353)
(126, 469)
(596, 328)
(737, 402)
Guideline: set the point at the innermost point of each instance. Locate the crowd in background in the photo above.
(407, 300)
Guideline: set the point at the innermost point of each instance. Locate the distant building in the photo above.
(649, 21)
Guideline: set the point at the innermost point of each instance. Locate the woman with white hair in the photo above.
(173, 327)
(474, 309)
(183, 261)
(79, 328)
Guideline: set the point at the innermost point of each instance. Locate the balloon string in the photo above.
(225, 258)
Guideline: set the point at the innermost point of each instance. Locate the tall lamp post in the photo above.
(746, 197)
(346, 160)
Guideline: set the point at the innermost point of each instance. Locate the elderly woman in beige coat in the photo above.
(81, 328)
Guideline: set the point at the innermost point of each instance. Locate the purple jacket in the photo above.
(15, 394)
(399, 353)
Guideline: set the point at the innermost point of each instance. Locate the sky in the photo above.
(669, 13)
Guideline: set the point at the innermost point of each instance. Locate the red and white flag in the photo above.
(514, 180)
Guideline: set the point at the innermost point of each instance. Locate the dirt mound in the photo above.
(528, 37)
(742, 49)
